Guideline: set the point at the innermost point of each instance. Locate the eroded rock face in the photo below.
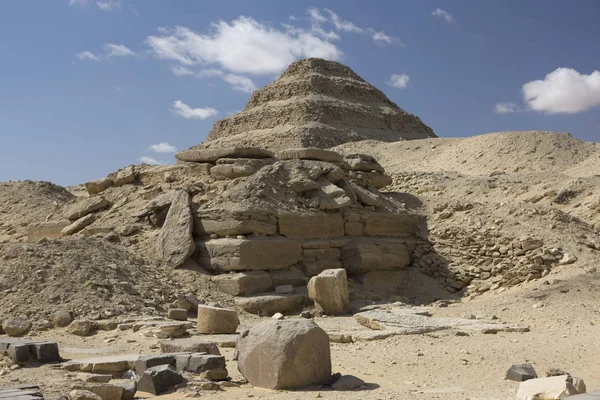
(175, 243)
(284, 354)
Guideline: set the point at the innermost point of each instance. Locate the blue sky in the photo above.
(90, 86)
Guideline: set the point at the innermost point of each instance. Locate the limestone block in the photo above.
(329, 291)
(217, 320)
(125, 176)
(311, 226)
(159, 379)
(46, 230)
(270, 304)
(310, 154)
(390, 225)
(243, 282)
(206, 227)
(367, 254)
(293, 277)
(85, 207)
(375, 179)
(363, 162)
(189, 345)
(212, 155)
(252, 254)
(175, 243)
(98, 185)
(78, 225)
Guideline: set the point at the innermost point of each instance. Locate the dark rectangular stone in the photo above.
(46, 352)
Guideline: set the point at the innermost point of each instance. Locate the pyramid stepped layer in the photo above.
(316, 103)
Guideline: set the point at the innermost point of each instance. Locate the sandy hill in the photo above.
(508, 152)
(316, 103)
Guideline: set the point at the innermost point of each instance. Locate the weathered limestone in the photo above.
(85, 207)
(367, 254)
(191, 345)
(375, 179)
(311, 226)
(177, 314)
(243, 282)
(233, 227)
(555, 387)
(46, 230)
(175, 243)
(390, 225)
(16, 326)
(107, 364)
(284, 354)
(78, 225)
(329, 291)
(363, 162)
(98, 185)
(81, 327)
(231, 168)
(366, 197)
(270, 304)
(125, 176)
(79, 394)
(106, 391)
(23, 350)
(223, 255)
(329, 196)
(212, 155)
(159, 379)
(292, 277)
(217, 320)
(310, 154)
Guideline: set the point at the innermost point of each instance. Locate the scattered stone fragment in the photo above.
(79, 394)
(145, 362)
(363, 162)
(164, 330)
(242, 283)
(98, 185)
(78, 225)
(16, 326)
(270, 304)
(567, 259)
(178, 314)
(93, 378)
(348, 382)
(209, 366)
(329, 290)
(81, 327)
(85, 207)
(159, 379)
(556, 387)
(521, 373)
(61, 318)
(125, 176)
(129, 387)
(285, 354)
(278, 316)
(107, 391)
(217, 320)
(175, 243)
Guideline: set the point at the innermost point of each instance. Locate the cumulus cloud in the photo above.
(87, 55)
(563, 91)
(438, 12)
(163, 147)
(505, 108)
(150, 161)
(118, 50)
(239, 83)
(315, 15)
(243, 46)
(341, 25)
(399, 81)
(183, 110)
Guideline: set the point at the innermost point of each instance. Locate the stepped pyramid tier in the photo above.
(316, 103)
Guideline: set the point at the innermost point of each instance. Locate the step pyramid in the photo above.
(316, 103)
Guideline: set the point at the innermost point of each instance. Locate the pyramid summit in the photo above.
(316, 103)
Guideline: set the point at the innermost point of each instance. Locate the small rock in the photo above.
(278, 316)
(79, 394)
(16, 326)
(178, 314)
(348, 382)
(521, 373)
(61, 318)
(159, 379)
(81, 327)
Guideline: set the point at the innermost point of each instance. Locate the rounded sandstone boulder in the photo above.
(284, 354)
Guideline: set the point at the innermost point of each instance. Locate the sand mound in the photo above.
(23, 203)
(90, 277)
(509, 152)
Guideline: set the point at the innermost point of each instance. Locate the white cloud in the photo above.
(563, 91)
(75, 2)
(340, 24)
(185, 111)
(240, 83)
(381, 37)
(118, 50)
(163, 147)
(242, 46)
(505, 108)
(109, 5)
(399, 81)
(87, 55)
(150, 161)
(315, 16)
(181, 71)
(438, 12)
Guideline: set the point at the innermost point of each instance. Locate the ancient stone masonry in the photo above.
(316, 103)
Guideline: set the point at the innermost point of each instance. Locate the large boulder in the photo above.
(175, 243)
(329, 291)
(85, 207)
(284, 354)
(98, 185)
(16, 326)
(78, 225)
(217, 320)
